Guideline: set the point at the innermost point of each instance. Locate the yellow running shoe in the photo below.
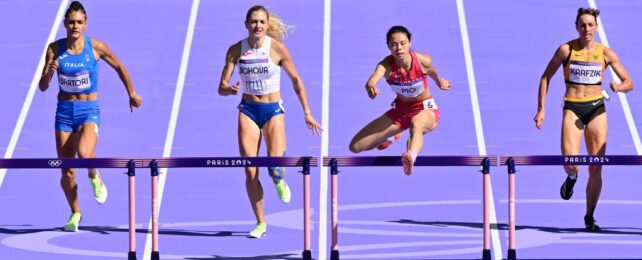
(72, 224)
(100, 190)
(283, 190)
(259, 231)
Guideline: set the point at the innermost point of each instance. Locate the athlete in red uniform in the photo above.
(414, 108)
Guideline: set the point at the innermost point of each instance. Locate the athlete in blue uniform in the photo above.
(75, 58)
(260, 58)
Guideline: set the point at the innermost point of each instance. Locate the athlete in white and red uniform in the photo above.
(414, 108)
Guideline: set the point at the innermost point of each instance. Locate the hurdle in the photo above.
(57, 163)
(225, 162)
(512, 161)
(348, 161)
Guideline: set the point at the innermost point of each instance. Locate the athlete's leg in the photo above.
(373, 134)
(87, 140)
(570, 143)
(66, 148)
(595, 136)
(249, 137)
(275, 139)
(421, 123)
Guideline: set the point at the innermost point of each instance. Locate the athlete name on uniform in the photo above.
(74, 83)
(409, 88)
(585, 72)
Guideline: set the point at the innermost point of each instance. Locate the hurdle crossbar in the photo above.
(335, 161)
(573, 160)
(543, 160)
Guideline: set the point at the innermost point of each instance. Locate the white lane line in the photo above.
(623, 100)
(171, 130)
(32, 88)
(325, 122)
(479, 131)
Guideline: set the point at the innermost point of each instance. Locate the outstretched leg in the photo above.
(373, 134)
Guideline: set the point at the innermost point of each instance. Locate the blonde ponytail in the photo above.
(277, 28)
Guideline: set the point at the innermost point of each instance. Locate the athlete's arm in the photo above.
(232, 56)
(371, 84)
(551, 68)
(287, 64)
(431, 71)
(51, 65)
(614, 61)
(108, 56)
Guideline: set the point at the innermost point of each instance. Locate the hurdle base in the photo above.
(131, 255)
(307, 255)
(334, 255)
(486, 254)
(512, 255)
(155, 255)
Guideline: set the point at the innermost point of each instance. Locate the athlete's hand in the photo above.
(312, 124)
(234, 89)
(135, 101)
(615, 86)
(444, 84)
(539, 119)
(373, 92)
(52, 66)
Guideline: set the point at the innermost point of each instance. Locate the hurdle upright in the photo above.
(225, 162)
(512, 161)
(350, 161)
(58, 163)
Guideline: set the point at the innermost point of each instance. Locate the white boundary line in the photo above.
(171, 130)
(32, 88)
(479, 131)
(325, 122)
(623, 100)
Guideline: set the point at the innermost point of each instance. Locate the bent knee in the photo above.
(571, 169)
(68, 173)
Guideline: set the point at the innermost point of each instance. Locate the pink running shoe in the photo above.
(388, 142)
(408, 162)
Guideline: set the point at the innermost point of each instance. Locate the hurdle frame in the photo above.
(60, 163)
(229, 162)
(364, 161)
(549, 160)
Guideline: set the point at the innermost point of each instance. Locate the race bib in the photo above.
(430, 104)
(585, 72)
(74, 83)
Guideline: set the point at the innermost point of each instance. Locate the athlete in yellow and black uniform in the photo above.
(585, 61)
(584, 68)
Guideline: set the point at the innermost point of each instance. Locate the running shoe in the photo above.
(74, 221)
(589, 223)
(283, 190)
(100, 190)
(388, 142)
(408, 162)
(259, 231)
(566, 191)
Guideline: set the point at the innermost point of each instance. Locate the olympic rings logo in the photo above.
(54, 163)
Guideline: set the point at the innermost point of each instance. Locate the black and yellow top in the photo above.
(584, 68)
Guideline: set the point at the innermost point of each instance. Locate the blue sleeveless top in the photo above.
(77, 74)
